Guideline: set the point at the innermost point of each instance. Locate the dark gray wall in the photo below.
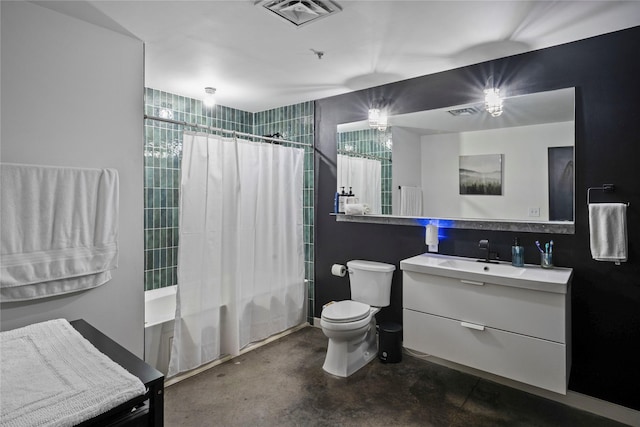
(605, 71)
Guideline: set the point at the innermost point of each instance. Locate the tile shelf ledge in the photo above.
(558, 227)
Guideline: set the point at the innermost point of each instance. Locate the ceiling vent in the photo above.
(300, 12)
(467, 111)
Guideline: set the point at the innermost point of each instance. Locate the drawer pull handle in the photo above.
(471, 282)
(472, 326)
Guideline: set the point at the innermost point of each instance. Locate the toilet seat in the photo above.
(345, 311)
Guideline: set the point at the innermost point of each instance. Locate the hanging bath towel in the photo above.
(608, 231)
(59, 230)
(410, 201)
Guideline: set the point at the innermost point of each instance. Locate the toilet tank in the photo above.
(370, 282)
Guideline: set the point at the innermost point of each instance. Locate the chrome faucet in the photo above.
(484, 245)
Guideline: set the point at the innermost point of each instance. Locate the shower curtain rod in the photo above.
(233, 132)
(363, 156)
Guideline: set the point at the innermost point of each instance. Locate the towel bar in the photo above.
(606, 188)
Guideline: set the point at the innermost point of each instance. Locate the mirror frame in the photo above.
(557, 227)
(467, 224)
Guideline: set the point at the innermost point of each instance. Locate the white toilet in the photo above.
(351, 325)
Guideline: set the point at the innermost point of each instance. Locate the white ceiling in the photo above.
(257, 61)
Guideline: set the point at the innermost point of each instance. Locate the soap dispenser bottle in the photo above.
(342, 198)
(517, 254)
(351, 198)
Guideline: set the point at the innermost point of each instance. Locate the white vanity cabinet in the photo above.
(509, 321)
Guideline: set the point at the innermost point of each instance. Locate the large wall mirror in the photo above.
(461, 167)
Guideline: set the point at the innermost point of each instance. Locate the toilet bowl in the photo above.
(350, 325)
(351, 329)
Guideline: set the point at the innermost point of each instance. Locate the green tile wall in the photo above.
(162, 157)
(372, 143)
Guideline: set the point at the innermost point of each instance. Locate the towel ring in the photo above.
(606, 188)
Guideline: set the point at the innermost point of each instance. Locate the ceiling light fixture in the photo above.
(493, 102)
(383, 121)
(165, 113)
(209, 97)
(378, 119)
(389, 142)
(492, 99)
(374, 117)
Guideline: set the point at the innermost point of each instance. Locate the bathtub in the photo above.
(159, 318)
(159, 314)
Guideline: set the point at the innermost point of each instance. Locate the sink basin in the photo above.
(502, 273)
(472, 265)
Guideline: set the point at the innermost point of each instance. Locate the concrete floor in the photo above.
(283, 384)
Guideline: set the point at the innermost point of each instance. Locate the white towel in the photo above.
(53, 376)
(59, 230)
(410, 201)
(608, 231)
(356, 209)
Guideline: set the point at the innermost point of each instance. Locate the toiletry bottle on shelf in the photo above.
(517, 254)
(336, 203)
(351, 198)
(341, 201)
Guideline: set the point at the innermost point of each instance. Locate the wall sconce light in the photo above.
(209, 97)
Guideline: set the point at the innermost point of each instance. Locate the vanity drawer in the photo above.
(524, 311)
(529, 360)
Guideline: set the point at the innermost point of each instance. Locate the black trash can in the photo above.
(390, 342)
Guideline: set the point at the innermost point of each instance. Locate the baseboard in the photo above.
(574, 399)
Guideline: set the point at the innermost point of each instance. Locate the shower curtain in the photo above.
(240, 254)
(364, 176)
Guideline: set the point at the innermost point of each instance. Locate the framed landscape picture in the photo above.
(481, 174)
